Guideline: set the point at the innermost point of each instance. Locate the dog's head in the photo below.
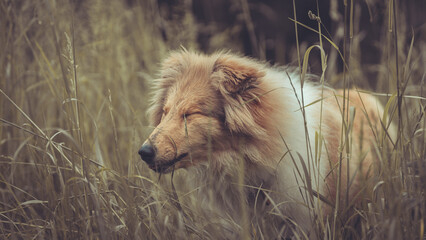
(201, 102)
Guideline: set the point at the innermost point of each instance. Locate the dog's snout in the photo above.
(147, 153)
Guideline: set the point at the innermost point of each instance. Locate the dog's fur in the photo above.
(224, 115)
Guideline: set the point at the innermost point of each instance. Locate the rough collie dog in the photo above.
(253, 134)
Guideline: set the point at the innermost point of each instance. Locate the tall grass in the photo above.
(74, 87)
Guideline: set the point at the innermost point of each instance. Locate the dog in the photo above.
(292, 145)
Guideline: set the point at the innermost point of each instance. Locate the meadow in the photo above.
(75, 84)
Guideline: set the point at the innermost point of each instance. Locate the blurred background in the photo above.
(75, 81)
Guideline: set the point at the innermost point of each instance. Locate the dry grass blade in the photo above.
(306, 60)
(23, 113)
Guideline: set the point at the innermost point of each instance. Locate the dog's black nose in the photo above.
(147, 153)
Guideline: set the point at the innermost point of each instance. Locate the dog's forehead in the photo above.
(190, 96)
(191, 83)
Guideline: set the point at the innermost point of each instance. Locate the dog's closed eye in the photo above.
(191, 114)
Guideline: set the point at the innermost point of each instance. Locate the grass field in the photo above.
(75, 84)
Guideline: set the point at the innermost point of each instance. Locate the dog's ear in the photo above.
(239, 80)
(235, 74)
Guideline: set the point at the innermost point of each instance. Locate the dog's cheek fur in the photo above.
(240, 119)
(201, 129)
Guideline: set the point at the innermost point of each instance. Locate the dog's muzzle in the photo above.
(147, 153)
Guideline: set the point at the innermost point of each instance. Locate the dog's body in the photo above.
(223, 115)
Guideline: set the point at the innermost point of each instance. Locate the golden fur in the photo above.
(220, 113)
